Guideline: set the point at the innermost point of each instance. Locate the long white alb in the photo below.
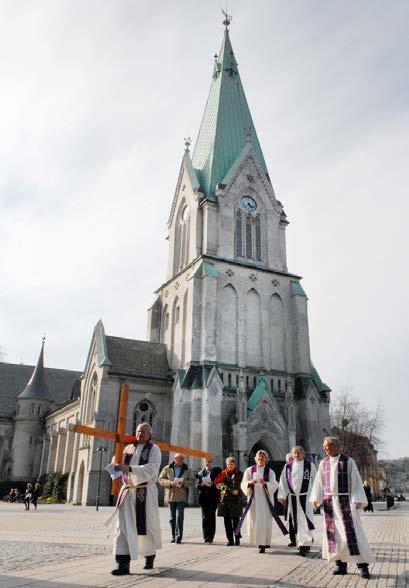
(304, 534)
(357, 495)
(126, 539)
(259, 519)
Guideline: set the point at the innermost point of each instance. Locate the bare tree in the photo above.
(352, 422)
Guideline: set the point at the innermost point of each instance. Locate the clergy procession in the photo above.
(238, 497)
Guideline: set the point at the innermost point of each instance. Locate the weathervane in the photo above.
(188, 143)
(44, 334)
(227, 17)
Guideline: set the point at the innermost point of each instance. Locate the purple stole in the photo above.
(303, 492)
(266, 476)
(141, 490)
(344, 503)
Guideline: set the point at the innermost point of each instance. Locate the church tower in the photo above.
(32, 406)
(233, 318)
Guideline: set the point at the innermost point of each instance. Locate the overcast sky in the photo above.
(96, 100)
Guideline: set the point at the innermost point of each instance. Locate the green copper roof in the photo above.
(226, 126)
(297, 289)
(258, 393)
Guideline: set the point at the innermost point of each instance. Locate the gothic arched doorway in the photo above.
(80, 483)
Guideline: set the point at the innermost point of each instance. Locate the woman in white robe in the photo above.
(127, 542)
(259, 519)
(299, 468)
(357, 500)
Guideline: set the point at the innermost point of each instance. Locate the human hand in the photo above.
(121, 467)
(282, 501)
(316, 504)
(262, 482)
(358, 505)
(252, 482)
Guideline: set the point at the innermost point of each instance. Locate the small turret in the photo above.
(33, 403)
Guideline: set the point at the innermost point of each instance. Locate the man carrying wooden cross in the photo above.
(137, 530)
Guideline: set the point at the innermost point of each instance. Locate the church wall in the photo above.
(6, 442)
(300, 334)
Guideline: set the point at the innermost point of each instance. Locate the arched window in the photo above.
(272, 384)
(144, 413)
(237, 379)
(182, 237)
(279, 385)
(32, 408)
(222, 376)
(229, 380)
(92, 399)
(248, 243)
(254, 382)
(247, 381)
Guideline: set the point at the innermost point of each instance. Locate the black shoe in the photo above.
(208, 541)
(291, 544)
(123, 562)
(237, 541)
(229, 543)
(364, 572)
(261, 549)
(149, 559)
(179, 540)
(172, 540)
(341, 568)
(120, 572)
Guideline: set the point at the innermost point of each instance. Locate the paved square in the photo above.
(61, 546)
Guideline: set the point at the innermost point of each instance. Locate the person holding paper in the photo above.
(138, 528)
(208, 498)
(176, 478)
(259, 484)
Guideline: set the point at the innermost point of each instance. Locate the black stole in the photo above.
(141, 490)
(303, 492)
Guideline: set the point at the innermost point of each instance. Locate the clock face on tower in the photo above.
(248, 203)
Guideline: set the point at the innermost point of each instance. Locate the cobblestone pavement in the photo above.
(62, 546)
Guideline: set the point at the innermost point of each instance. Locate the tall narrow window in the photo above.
(239, 234)
(257, 226)
(249, 239)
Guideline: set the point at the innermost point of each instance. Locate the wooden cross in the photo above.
(121, 439)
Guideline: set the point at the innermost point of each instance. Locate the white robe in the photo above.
(126, 539)
(356, 494)
(304, 534)
(259, 519)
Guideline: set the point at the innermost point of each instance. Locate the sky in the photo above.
(97, 98)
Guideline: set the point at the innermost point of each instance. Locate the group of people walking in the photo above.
(237, 496)
(30, 495)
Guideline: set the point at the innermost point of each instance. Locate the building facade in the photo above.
(227, 367)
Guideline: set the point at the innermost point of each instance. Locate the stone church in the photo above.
(227, 367)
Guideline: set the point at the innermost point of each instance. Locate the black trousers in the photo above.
(229, 525)
(291, 529)
(209, 520)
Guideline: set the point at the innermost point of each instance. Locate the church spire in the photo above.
(37, 387)
(226, 124)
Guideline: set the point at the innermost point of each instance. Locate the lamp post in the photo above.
(101, 450)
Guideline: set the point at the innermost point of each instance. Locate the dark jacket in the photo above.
(207, 494)
(230, 505)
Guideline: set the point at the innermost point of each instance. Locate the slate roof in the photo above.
(37, 386)
(142, 359)
(14, 379)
